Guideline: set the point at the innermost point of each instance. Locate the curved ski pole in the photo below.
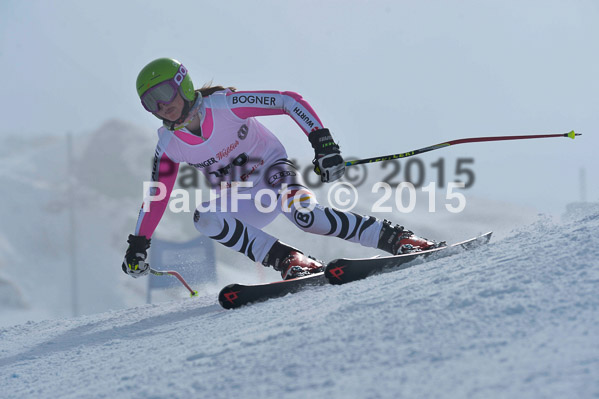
(173, 273)
(570, 134)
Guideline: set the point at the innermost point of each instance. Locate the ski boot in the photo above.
(291, 262)
(397, 241)
(299, 265)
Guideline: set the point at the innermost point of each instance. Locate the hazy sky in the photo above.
(385, 76)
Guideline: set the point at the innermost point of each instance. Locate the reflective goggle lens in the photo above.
(163, 93)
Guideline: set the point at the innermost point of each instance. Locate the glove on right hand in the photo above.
(134, 263)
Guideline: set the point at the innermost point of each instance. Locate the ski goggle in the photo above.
(163, 93)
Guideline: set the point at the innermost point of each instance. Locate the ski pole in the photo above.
(172, 273)
(570, 134)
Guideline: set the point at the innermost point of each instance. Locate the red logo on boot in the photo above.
(337, 272)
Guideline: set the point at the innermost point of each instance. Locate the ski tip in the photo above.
(195, 293)
(228, 296)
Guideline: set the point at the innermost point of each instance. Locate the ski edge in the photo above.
(449, 250)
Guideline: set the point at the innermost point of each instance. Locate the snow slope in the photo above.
(517, 318)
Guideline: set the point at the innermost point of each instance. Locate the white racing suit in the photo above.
(235, 147)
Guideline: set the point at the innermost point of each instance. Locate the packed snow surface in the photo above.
(516, 318)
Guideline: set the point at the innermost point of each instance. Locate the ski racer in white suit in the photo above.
(214, 129)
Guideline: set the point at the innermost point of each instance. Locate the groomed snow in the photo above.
(517, 318)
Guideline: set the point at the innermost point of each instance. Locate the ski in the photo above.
(236, 295)
(341, 271)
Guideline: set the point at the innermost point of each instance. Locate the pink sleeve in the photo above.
(247, 104)
(164, 171)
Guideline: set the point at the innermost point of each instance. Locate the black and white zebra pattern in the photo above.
(242, 232)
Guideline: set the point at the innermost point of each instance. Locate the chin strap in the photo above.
(190, 113)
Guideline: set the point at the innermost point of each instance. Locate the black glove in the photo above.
(328, 162)
(134, 263)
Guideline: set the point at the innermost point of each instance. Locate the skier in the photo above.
(215, 130)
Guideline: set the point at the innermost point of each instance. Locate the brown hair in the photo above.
(208, 89)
